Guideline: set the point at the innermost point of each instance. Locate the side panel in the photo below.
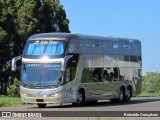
(128, 71)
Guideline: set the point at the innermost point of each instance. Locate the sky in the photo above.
(138, 19)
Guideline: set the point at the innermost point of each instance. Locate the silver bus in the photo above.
(75, 68)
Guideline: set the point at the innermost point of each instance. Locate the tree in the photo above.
(52, 17)
(20, 19)
(6, 36)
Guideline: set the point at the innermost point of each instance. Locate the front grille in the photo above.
(39, 95)
(39, 100)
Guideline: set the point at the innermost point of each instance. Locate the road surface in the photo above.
(137, 105)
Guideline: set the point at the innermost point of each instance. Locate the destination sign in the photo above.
(44, 47)
(46, 42)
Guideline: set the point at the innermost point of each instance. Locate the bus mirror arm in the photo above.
(65, 61)
(14, 60)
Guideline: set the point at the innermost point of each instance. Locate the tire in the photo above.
(41, 105)
(114, 100)
(80, 99)
(121, 97)
(128, 95)
(92, 102)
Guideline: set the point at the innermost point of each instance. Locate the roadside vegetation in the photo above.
(151, 84)
(10, 101)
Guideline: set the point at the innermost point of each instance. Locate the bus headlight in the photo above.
(45, 96)
(56, 95)
(24, 94)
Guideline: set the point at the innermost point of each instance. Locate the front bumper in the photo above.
(42, 96)
(42, 99)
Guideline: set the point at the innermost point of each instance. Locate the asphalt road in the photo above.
(141, 106)
(136, 104)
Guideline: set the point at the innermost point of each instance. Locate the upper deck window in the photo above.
(44, 47)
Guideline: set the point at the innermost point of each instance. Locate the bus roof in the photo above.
(91, 44)
(78, 35)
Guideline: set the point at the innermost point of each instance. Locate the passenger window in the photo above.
(87, 76)
(126, 46)
(133, 58)
(115, 45)
(70, 74)
(67, 75)
(106, 75)
(73, 61)
(71, 66)
(117, 75)
(139, 73)
(97, 75)
(73, 73)
(117, 48)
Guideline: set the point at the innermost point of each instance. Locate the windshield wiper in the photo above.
(53, 85)
(26, 84)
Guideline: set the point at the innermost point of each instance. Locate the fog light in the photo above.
(56, 95)
(25, 94)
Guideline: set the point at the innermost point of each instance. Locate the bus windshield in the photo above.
(41, 74)
(44, 47)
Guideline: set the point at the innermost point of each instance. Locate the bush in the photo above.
(151, 82)
(14, 90)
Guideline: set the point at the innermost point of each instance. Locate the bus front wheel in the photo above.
(80, 98)
(41, 105)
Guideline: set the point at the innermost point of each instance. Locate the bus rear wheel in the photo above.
(128, 95)
(41, 105)
(121, 97)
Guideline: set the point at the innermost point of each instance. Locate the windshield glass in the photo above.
(44, 74)
(44, 47)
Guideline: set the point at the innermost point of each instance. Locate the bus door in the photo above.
(70, 73)
(69, 77)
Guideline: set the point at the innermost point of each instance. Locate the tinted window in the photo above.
(133, 58)
(44, 47)
(117, 48)
(87, 76)
(92, 75)
(97, 74)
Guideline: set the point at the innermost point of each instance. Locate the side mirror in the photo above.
(14, 60)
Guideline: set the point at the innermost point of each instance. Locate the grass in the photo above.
(11, 101)
(146, 94)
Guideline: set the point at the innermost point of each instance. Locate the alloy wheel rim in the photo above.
(121, 96)
(128, 94)
(79, 98)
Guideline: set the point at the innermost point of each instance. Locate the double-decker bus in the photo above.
(76, 68)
